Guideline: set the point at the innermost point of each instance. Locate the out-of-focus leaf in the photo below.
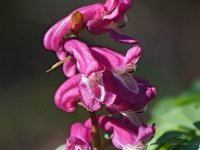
(192, 112)
(178, 121)
(197, 124)
(170, 136)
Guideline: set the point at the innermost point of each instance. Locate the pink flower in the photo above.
(80, 137)
(85, 61)
(78, 56)
(115, 87)
(127, 134)
(67, 95)
(91, 93)
(133, 93)
(98, 18)
(116, 62)
(129, 96)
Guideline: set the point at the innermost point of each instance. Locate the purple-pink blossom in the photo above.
(98, 18)
(100, 76)
(104, 78)
(80, 137)
(127, 135)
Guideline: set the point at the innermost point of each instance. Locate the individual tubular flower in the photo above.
(126, 134)
(133, 93)
(85, 61)
(80, 137)
(98, 18)
(116, 62)
(96, 85)
(91, 89)
(67, 95)
(128, 99)
(78, 55)
(91, 93)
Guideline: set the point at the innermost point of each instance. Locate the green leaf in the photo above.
(178, 121)
(170, 136)
(197, 125)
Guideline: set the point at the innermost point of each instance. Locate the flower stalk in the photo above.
(95, 130)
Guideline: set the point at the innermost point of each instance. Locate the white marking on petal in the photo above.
(103, 93)
(128, 81)
(134, 147)
(95, 77)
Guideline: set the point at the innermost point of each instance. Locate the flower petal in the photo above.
(55, 35)
(80, 131)
(126, 134)
(111, 5)
(86, 63)
(69, 67)
(74, 143)
(122, 38)
(132, 93)
(92, 93)
(98, 26)
(132, 57)
(111, 59)
(67, 94)
(119, 11)
(48, 36)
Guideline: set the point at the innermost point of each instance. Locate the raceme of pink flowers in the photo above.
(98, 18)
(124, 133)
(101, 77)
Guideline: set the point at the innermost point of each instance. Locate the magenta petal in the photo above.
(62, 29)
(61, 54)
(109, 99)
(132, 93)
(121, 135)
(64, 26)
(126, 133)
(146, 133)
(111, 5)
(80, 131)
(116, 62)
(111, 59)
(86, 63)
(80, 137)
(119, 37)
(67, 94)
(69, 67)
(119, 11)
(132, 57)
(92, 94)
(74, 143)
(97, 26)
(48, 36)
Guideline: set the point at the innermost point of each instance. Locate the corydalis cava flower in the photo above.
(98, 18)
(125, 133)
(104, 77)
(95, 87)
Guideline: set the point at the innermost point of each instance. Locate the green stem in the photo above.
(95, 130)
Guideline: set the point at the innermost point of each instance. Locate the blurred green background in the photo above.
(169, 31)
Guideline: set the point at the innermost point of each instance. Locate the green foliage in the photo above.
(178, 121)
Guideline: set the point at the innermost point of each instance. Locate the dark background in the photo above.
(169, 34)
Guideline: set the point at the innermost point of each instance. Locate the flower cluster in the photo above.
(99, 76)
